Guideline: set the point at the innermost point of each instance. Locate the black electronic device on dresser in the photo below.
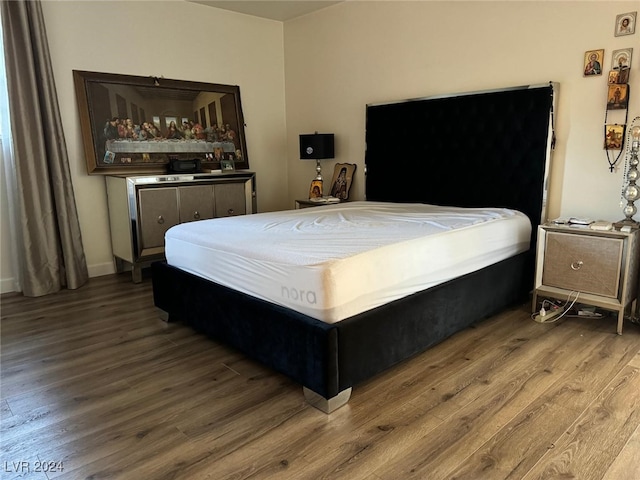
(184, 166)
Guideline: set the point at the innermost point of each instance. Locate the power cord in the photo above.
(557, 311)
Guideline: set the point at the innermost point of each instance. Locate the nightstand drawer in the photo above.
(583, 263)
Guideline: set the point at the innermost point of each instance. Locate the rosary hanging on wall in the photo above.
(618, 98)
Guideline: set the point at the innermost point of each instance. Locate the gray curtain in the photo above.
(51, 255)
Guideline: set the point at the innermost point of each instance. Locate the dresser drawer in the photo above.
(230, 200)
(196, 202)
(583, 263)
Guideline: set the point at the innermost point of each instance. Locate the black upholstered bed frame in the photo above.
(482, 149)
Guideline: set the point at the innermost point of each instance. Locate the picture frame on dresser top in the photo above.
(227, 165)
(136, 125)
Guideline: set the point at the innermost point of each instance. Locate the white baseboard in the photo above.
(7, 285)
(101, 269)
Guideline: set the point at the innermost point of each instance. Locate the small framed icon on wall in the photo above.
(593, 62)
(626, 24)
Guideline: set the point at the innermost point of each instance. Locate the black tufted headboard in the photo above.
(483, 149)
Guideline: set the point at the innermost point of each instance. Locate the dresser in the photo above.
(600, 268)
(143, 207)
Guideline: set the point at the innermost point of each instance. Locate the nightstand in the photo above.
(602, 266)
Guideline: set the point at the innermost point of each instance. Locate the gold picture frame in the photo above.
(614, 137)
(593, 62)
(315, 189)
(617, 97)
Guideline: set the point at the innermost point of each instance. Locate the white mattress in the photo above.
(334, 261)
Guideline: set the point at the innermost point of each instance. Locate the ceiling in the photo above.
(281, 10)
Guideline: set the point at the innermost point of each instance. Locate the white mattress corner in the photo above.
(332, 262)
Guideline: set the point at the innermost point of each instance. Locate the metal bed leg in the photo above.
(164, 316)
(327, 405)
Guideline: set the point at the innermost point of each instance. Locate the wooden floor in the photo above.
(95, 386)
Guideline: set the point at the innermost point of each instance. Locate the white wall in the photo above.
(177, 40)
(338, 60)
(358, 52)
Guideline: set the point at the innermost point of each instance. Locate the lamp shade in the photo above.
(316, 146)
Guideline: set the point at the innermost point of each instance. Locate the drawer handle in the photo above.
(577, 265)
(230, 211)
(160, 219)
(196, 215)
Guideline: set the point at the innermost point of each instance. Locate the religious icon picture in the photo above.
(342, 178)
(625, 24)
(613, 77)
(617, 98)
(623, 76)
(613, 137)
(315, 190)
(593, 62)
(621, 59)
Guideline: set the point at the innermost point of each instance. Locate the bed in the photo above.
(482, 153)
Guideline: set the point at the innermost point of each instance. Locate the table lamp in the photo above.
(316, 146)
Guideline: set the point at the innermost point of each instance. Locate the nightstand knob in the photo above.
(160, 219)
(196, 215)
(230, 211)
(577, 265)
